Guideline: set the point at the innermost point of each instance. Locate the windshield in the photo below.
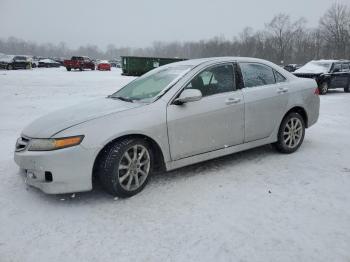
(20, 58)
(151, 85)
(316, 66)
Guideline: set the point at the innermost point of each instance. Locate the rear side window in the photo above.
(279, 77)
(255, 74)
(345, 67)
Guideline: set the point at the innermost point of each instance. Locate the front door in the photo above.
(214, 122)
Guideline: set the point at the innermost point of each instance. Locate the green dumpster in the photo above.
(136, 65)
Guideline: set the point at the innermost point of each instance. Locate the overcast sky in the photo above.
(138, 23)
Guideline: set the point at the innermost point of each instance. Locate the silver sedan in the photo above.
(173, 116)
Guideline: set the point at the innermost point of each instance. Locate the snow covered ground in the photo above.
(256, 205)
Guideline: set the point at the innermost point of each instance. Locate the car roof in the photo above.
(196, 62)
(326, 61)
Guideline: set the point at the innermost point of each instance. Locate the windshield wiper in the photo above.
(126, 99)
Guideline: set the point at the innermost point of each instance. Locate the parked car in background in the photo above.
(176, 115)
(11, 62)
(58, 60)
(79, 62)
(292, 67)
(48, 63)
(34, 61)
(115, 63)
(329, 74)
(104, 65)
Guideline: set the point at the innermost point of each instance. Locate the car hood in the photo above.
(51, 124)
(310, 70)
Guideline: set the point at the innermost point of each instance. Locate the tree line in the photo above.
(283, 41)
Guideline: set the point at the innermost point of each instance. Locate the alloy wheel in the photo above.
(293, 132)
(134, 167)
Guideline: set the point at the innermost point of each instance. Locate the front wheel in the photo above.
(68, 68)
(291, 133)
(323, 88)
(9, 67)
(125, 166)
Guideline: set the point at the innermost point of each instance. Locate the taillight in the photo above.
(317, 91)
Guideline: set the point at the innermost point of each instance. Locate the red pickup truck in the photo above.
(79, 62)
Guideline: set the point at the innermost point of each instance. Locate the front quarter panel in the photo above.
(148, 120)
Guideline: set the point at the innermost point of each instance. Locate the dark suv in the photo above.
(329, 74)
(15, 62)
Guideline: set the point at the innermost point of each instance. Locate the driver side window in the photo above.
(214, 80)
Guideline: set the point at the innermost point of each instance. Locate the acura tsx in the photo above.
(173, 116)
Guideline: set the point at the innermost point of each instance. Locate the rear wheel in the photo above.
(125, 166)
(291, 133)
(323, 88)
(68, 68)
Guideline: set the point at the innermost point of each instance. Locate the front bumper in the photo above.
(70, 169)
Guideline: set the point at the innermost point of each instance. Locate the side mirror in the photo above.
(188, 95)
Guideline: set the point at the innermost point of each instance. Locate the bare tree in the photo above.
(282, 31)
(335, 28)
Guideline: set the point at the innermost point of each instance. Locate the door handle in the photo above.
(282, 90)
(232, 100)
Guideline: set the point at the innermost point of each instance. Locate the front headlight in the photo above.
(41, 144)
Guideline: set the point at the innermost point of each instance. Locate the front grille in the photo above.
(22, 143)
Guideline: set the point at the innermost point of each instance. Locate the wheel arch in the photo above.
(300, 110)
(159, 163)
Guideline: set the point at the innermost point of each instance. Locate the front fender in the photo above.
(148, 121)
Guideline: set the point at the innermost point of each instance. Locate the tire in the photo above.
(68, 68)
(347, 89)
(286, 130)
(9, 67)
(28, 66)
(323, 88)
(122, 177)
(81, 69)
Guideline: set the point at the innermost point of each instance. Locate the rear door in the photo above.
(339, 77)
(266, 98)
(346, 73)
